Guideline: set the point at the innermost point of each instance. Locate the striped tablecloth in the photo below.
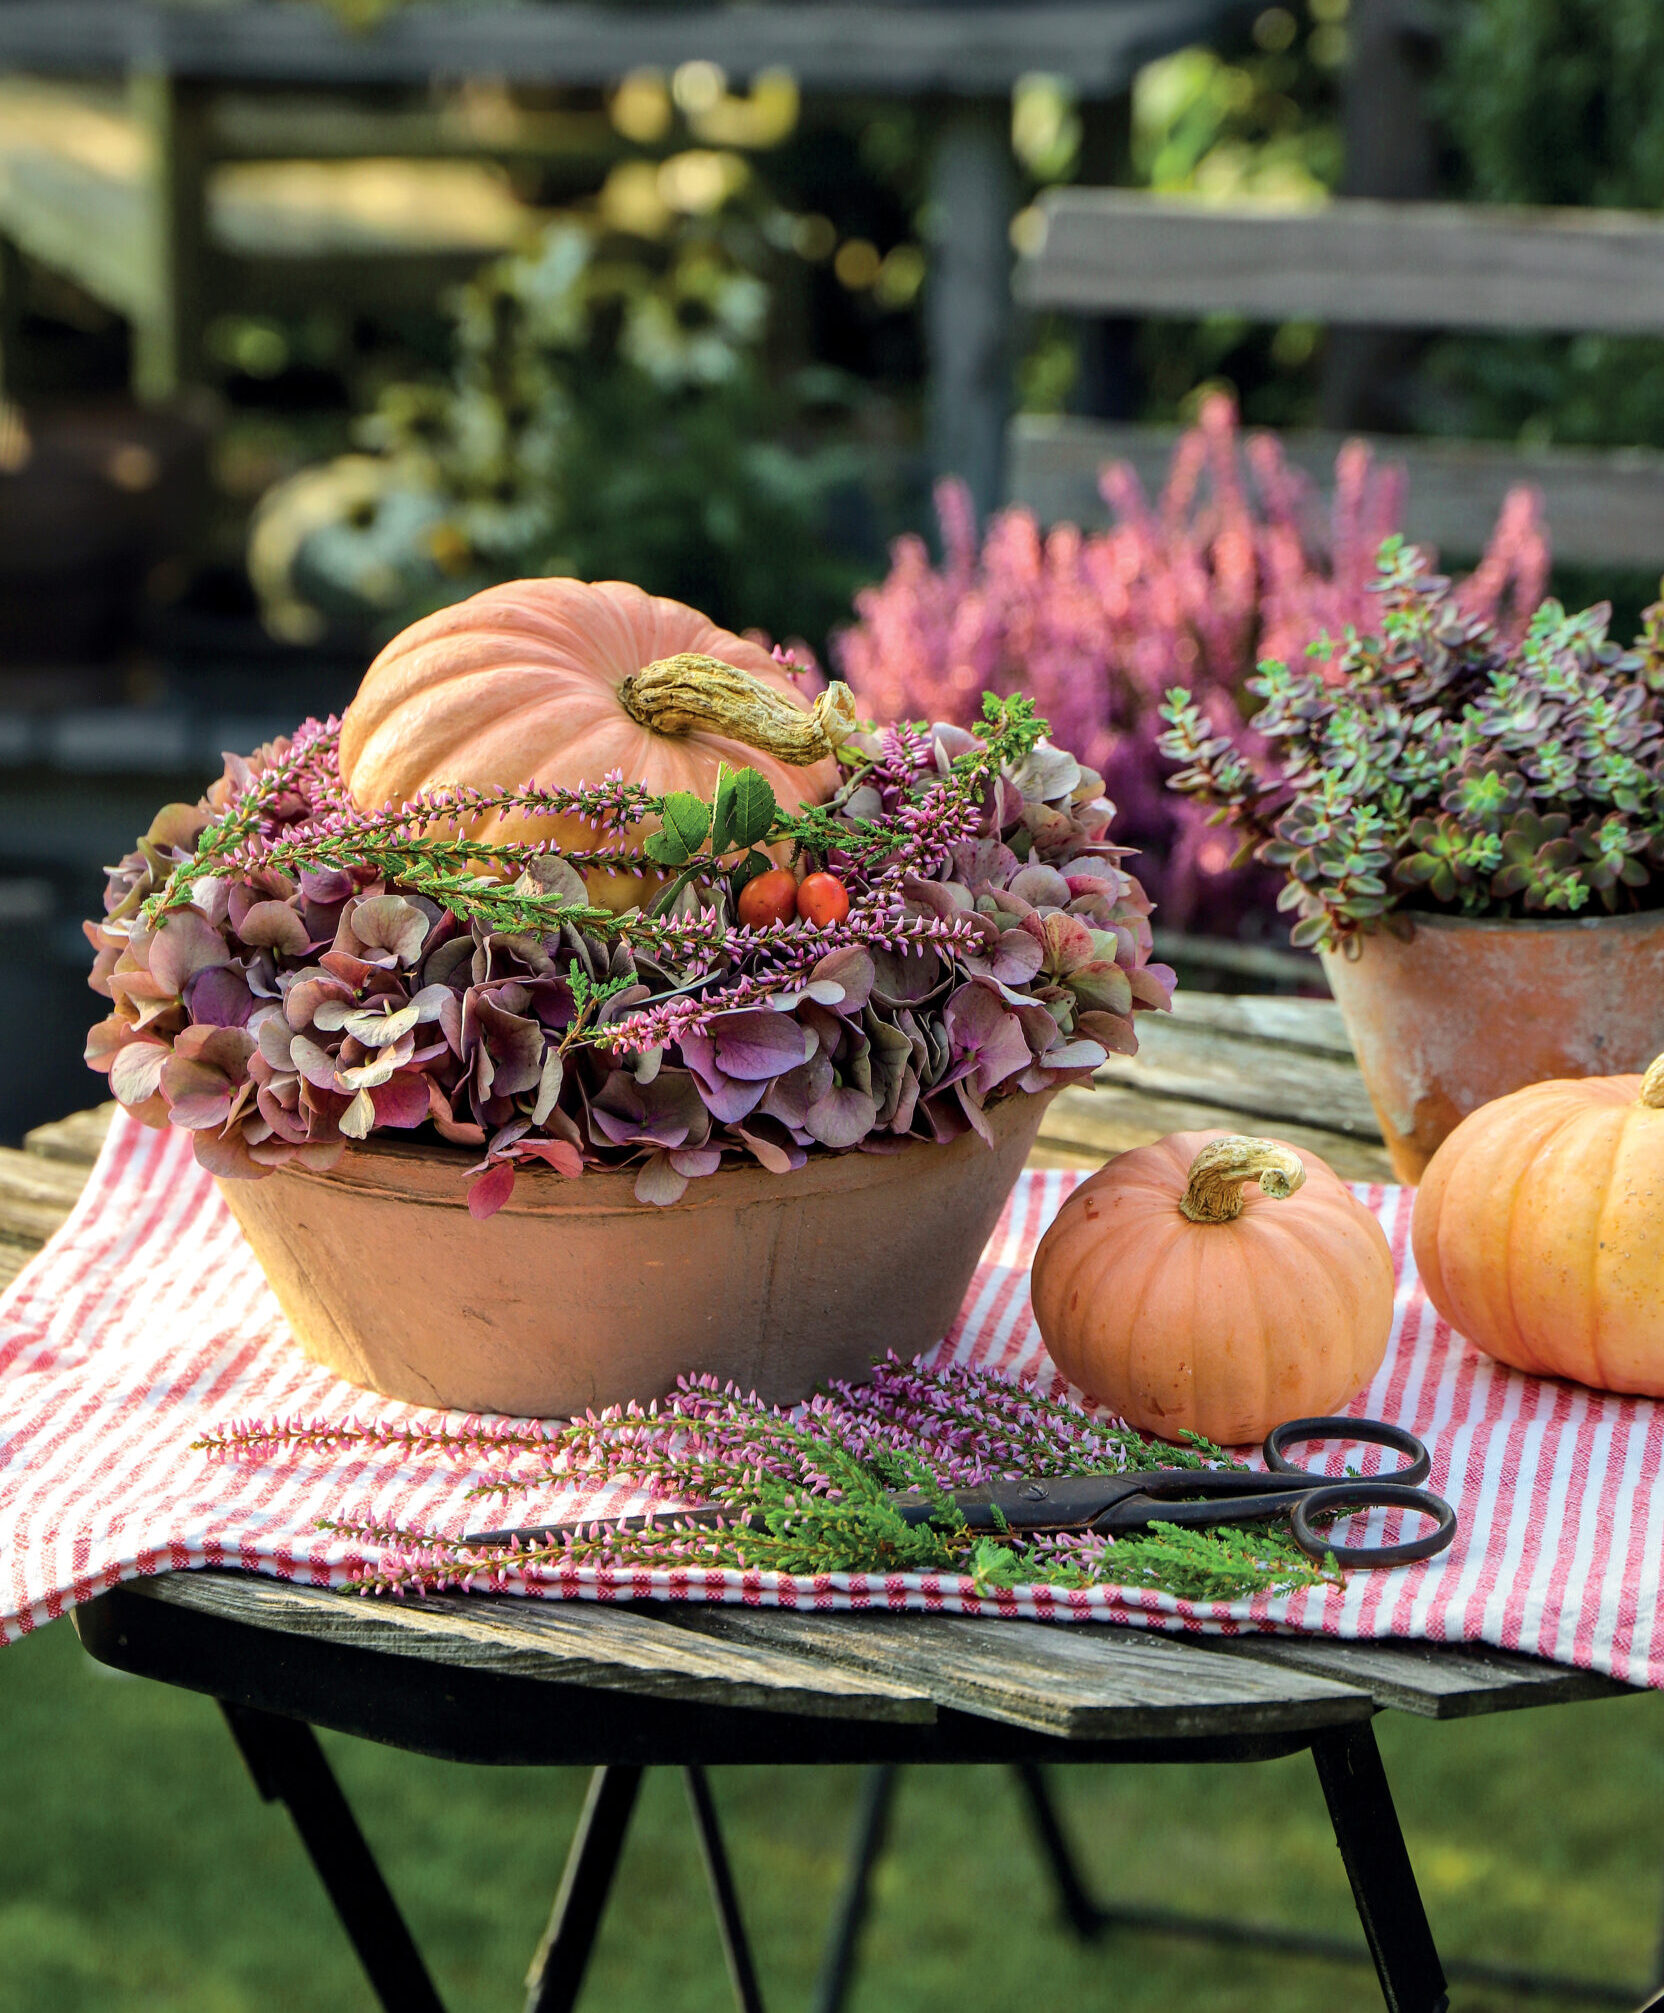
(146, 1321)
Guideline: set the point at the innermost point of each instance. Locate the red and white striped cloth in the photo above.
(146, 1321)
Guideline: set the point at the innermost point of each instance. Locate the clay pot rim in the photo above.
(429, 1172)
(1516, 925)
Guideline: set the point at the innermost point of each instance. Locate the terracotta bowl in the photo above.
(1466, 1011)
(575, 1294)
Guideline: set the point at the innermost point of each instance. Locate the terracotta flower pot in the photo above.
(575, 1294)
(1467, 1011)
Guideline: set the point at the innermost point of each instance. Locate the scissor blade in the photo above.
(1055, 1503)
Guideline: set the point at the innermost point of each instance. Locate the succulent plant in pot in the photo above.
(446, 1035)
(1472, 835)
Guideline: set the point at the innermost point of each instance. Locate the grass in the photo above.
(139, 1871)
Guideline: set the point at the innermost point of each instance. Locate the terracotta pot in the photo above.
(575, 1294)
(1464, 1012)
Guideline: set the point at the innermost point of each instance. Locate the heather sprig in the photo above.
(1436, 764)
(805, 1491)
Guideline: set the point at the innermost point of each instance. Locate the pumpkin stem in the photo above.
(686, 693)
(1220, 1171)
(1652, 1085)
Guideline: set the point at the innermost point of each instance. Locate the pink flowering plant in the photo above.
(290, 973)
(1234, 563)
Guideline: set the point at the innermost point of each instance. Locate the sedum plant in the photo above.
(289, 973)
(1439, 765)
(1231, 564)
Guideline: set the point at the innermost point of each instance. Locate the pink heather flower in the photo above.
(1232, 563)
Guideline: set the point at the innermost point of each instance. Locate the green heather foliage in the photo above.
(1437, 767)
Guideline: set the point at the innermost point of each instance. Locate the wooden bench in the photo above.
(1355, 263)
(1379, 263)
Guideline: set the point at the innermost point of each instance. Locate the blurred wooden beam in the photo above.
(1604, 506)
(895, 50)
(1409, 265)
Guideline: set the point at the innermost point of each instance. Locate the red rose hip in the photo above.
(823, 899)
(769, 898)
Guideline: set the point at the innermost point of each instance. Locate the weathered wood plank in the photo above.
(1314, 1025)
(1397, 265)
(1083, 1127)
(1606, 504)
(965, 50)
(75, 1140)
(1077, 1682)
(1228, 954)
(13, 1258)
(1181, 1058)
(35, 1195)
(562, 1642)
(1432, 1680)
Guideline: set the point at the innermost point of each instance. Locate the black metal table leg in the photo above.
(735, 1948)
(1080, 1911)
(557, 1970)
(872, 1824)
(288, 1767)
(1378, 1866)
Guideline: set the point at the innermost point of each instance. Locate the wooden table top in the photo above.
(1221, 1060)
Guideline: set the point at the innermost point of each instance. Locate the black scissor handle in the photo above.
(1373, 1433)
(1369, 1494)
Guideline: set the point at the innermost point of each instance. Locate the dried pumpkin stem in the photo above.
(689, 693)
(1220, 1171)
(1652, 1085)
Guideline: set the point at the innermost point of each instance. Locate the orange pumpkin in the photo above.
(1187, 1299)
(541, 680)
(1539, 1230)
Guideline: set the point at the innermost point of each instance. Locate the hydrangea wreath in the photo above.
(290, 972)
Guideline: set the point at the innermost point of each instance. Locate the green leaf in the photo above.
(665, 849)
(689, 818)
(747, 870)
(722, 811)
(751, 810)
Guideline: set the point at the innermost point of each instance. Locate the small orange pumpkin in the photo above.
(560, 681)
(1172, 1290)
(1539, 1230)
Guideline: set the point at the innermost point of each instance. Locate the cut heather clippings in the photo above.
(809, 1489)
(1231, 565)
(290, 973)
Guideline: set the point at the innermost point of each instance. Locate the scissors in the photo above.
(1111, 1505)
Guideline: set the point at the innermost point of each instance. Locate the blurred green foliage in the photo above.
(1552, 101)
(608, 412)
(1256, 120)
